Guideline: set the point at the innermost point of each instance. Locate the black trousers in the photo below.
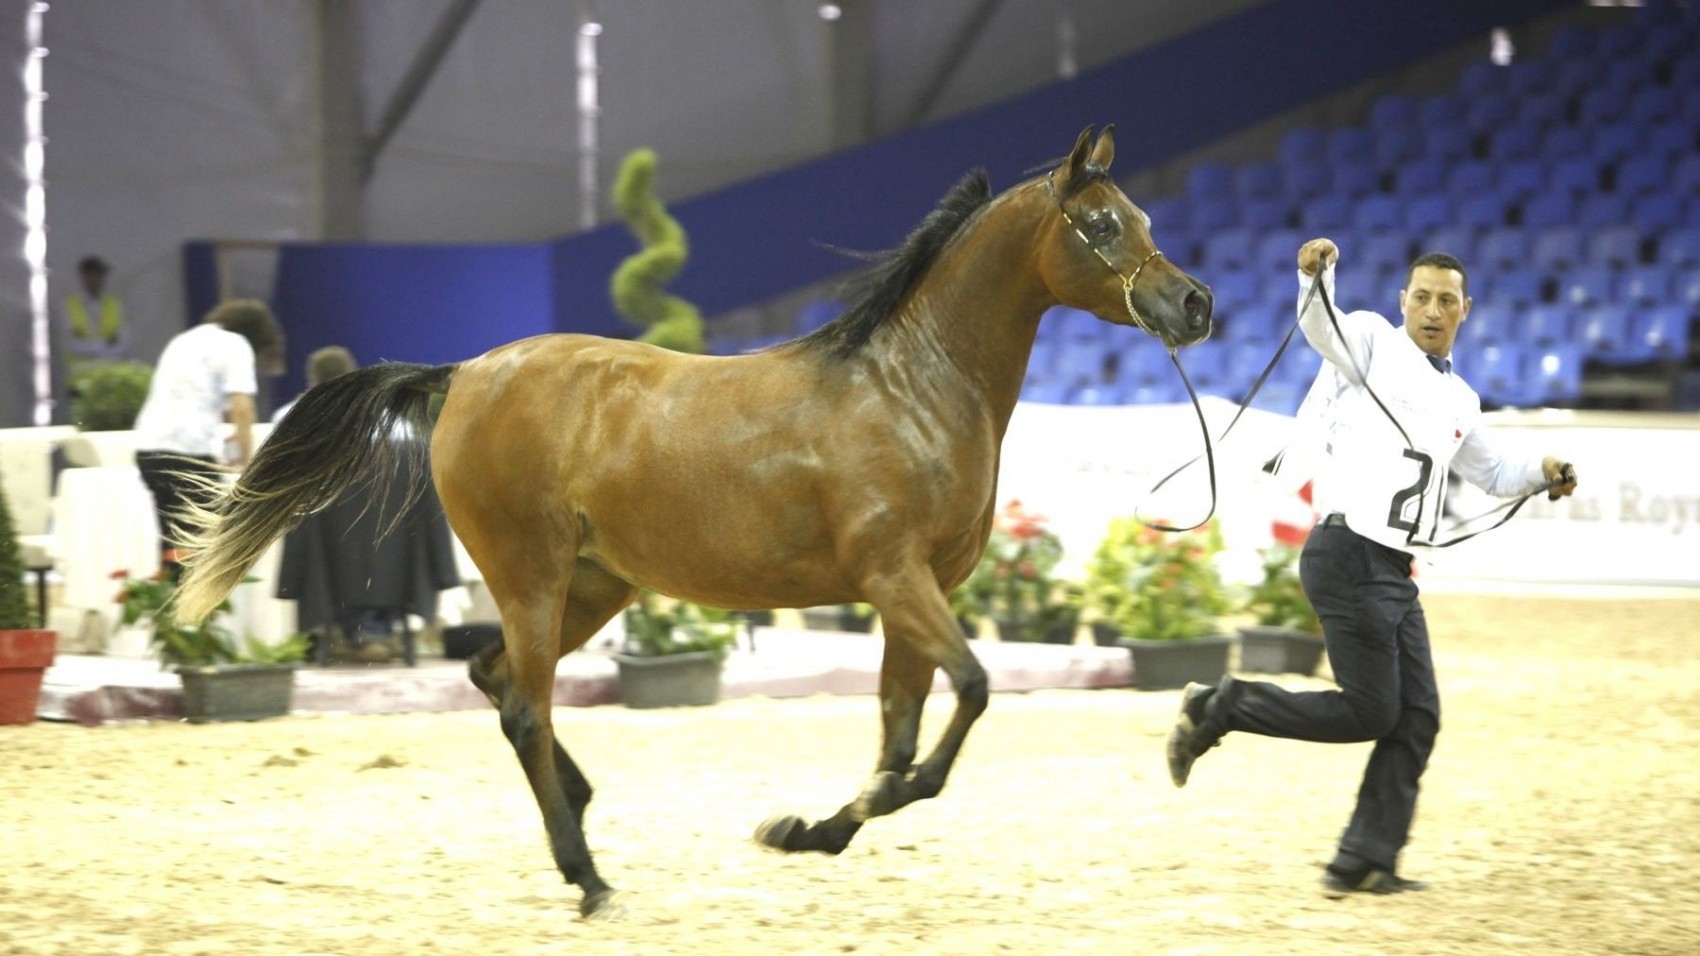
(163, 472)
(1378, 647)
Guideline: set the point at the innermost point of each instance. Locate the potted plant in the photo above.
(1162, 594)
(1015, 585)
(26, 651)
(223, 679)
(1287, 637)
(673, 652)
(107, 396)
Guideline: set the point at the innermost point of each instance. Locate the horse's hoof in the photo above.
(777, 832)
(609, 904)
(878, 798)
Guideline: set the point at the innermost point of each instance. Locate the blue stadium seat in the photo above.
(1141, 363)
(1600, 211)
(1578, 175)
(1586, 286)
(1282, 398)
(1442, 109)
(1258, 180)
(1484, 326)
(1653, 104)
(1299, 365)
(1387, 250)
(1605, 333)
(1627, 76)
(1496, 372)
(1562, 142)
(1352, 178)
(1645, 285)
(1503, 248)
(1229, 248)
(1662, 332)
(1168, 391)
(1079, 362)
(1325, 213)
(1522, 178)
(1546, 111)
(1236, 289)
(1685, 176)
(1548, 323)
(1616, 43)
(1420, 176)
(1396, 145)
(1208, 215)
(1349, 144)
(1685, 75)
(1615, 245)
(1556, 247)
(1479, 77)
(1460, 241)
(1519, 288)
(1672, 140)
(1378, 212)
(1426, 213)
(1393, 110)
(1654, 213)
(1680, 247)
(1101, 394)
(1041, 361)
(1065, 324)
(1277, 254)
(1549, 210)
(1255, 322)
(1168, 213)
(1685, 289)
(1642, 175)
(1516, 141)
(1451, 141)
(1303, 144)
(1044, 393)
(1484, 211)
(1611, 142)
(1261, 214)
(1572, 42)
(1469, 177)
(1302, 180)
(1210, 181)
(1554, 374)
(1575, 76)
(1532, 75)
(1487, 112)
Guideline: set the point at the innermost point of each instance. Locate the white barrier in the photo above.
(1635, 518)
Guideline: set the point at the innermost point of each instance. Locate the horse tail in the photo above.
(336, 436)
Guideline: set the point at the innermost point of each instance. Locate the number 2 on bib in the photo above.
(1395, 510)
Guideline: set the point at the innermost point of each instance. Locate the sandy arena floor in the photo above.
(1561, 814)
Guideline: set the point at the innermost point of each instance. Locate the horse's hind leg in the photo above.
(538, 628)
(920, 635)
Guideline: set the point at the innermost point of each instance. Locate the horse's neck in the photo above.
(978, 310)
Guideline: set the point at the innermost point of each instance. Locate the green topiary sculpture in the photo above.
(636, 288)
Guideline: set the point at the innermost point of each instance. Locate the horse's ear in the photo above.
(1104, 151)
(1082, 147)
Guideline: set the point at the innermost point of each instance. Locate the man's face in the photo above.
(94, 280)
(1434, 305)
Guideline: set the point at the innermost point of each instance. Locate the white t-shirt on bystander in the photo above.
(186, 404)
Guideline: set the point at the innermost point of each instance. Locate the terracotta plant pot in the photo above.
(24, 656)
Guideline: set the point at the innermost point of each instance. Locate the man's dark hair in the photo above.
(92, 264)
(1440, 260)
(253, 320)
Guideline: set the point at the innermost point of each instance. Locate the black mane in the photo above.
(874, 294)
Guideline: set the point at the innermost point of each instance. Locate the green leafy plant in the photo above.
(656, 626)
(14, 604)
(1279, 599)
(195, 645)
(1015, 583)
(1157, 585)
(637, 285)
(107, 396)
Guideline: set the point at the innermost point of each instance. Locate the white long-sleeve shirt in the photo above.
(1390, 491)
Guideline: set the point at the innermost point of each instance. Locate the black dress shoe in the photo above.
(1336, 885)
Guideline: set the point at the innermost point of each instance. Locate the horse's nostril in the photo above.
(1197, 305)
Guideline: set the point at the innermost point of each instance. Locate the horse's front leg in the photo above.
(920, 635)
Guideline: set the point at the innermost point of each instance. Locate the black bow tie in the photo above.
(1440, 365)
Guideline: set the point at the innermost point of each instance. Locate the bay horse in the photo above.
(857, 463)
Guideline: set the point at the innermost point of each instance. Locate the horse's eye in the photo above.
(1102, 227)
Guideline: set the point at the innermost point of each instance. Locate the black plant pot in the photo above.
(223, 692)
(464, 640)
(1167, 665)
(670, 680)
(1279, 650)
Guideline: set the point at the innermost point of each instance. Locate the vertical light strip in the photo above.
(589, 108)
(35, 216)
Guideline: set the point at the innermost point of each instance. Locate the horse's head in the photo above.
(1098, 254)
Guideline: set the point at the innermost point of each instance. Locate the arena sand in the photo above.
(1561, 814)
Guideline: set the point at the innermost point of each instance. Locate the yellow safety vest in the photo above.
(111, 317)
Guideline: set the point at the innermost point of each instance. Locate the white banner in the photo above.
(1634, 520)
